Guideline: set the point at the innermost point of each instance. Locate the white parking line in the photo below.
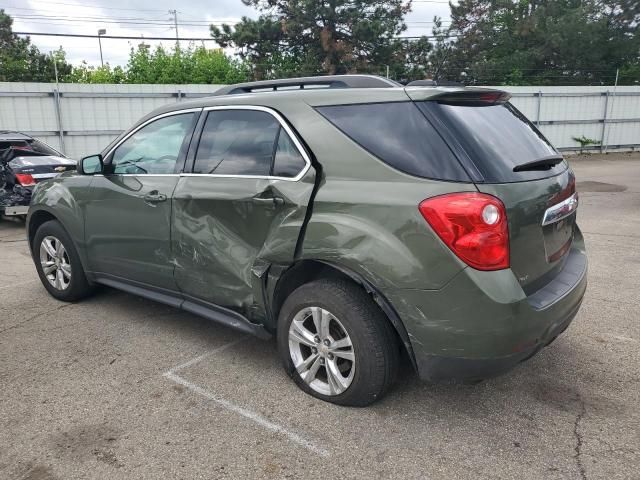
(198, 359)
(232, 407)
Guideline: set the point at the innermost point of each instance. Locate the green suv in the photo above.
(357, 220)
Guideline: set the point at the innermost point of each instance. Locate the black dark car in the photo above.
(25, 161)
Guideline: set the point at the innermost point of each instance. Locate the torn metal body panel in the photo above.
(226, 234)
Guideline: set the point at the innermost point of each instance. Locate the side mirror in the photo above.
(91, 165)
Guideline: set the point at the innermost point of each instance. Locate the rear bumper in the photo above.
(436, 368)
(16, 210)
(482, 324)
(16, 199)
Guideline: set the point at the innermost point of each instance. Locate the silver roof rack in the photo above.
(301, 83)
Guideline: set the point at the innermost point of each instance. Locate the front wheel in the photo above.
(336, 343)
(58, 263)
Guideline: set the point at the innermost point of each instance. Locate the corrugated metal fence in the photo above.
(81, 119)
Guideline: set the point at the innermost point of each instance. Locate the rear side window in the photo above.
(497, 138)
(237, 142)
(399, 135)
(246, 142)
(288, 161)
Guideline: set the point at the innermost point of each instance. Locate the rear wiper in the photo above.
(544, 163)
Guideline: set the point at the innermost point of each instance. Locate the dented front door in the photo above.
(227, 231)
(240, 207)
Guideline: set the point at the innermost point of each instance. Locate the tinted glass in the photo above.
(237, 142)
(497, 138)
(399, 135)
(155, 148)
(44, 149)
(288, 161)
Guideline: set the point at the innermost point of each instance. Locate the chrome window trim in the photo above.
(268, 110)
(283, 124)
(560, 210)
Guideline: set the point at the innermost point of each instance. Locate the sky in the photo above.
(149, 18)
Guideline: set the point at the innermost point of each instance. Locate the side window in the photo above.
(399, 135)
(237, 142)
(154, 148)
(288, 161)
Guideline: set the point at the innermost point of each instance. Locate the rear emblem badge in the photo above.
(60, 169)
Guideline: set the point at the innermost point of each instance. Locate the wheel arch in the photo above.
(307, 270)
(37, 218)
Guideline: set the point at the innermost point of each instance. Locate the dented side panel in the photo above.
(376, 230)
(225, 235)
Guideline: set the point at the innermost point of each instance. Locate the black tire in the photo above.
(78, 286)
(375, 345)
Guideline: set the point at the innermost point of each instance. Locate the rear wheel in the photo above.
(336, 344)
(58, 263)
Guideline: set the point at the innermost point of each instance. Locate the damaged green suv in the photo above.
(357, 220)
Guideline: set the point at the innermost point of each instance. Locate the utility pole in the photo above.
(175, 23)
(615, 87)
(101, 32)
(55, 68)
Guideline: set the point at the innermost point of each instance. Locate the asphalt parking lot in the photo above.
(121, 387)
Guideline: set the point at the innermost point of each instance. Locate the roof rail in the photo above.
(434, 83)
(328, 81)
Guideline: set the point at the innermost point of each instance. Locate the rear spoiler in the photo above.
(472, 97)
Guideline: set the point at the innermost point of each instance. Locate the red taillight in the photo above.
(473, 225)
(25, 179)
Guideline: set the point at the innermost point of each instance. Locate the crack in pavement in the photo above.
(576, 433)
(33, 317)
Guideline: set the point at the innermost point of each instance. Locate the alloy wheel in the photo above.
(321, 351)
(55, 262)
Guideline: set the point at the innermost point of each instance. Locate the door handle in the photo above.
(155, 197)
(269, 200)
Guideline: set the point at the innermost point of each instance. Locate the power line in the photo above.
(161, 22)
(187, 39)
(147, 21)
(123, 37)
(80, 18)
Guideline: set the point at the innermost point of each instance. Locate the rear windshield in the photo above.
(399, 135)
(44, 149)
(33, 146)
(497, 138)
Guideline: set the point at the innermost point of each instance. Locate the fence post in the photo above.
(56, 102)
(179, 95)
(539, 106)
(604, 121)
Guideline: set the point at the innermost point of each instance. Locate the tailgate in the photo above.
(542, 219)
(509, 158)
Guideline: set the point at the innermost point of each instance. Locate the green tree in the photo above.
(259, 42)
(410, 59)
(21, 61)
(318, 36)
(182, 65)
(541, 41)
(85, 73)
